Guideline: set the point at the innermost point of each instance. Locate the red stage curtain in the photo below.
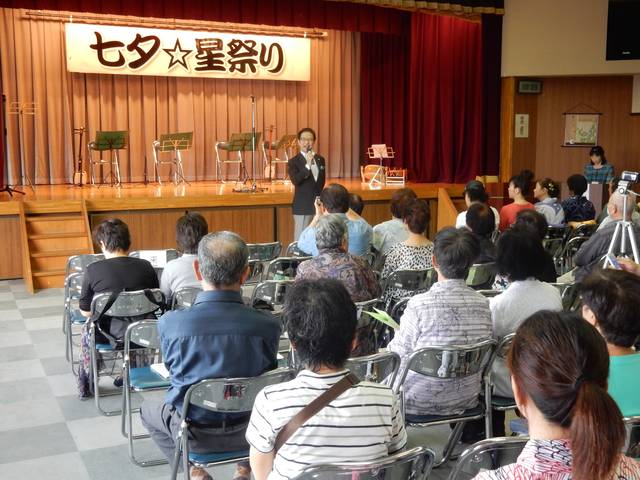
(441, 110)
(296, 13)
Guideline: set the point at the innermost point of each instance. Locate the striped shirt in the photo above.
(450, 313)
(362, 424)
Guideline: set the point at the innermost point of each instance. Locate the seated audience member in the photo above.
(387, 234)
(519, 188)
(604, 219)
(590, 254)
(474, 192)
(335, 199)
(179, 273)
(577, 208)
(611, 302)
(450, 313)
(363, 424)
(520, 255)
(546, 191)
(559, 367)
(334, 261)
(540, 226)
(217, 337)
(415, 253)
(356, 203)
(481, 221)
(116, 273)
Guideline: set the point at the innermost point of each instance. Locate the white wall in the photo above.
(558, 37)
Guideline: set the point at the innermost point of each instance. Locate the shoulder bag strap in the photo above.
(314, 407)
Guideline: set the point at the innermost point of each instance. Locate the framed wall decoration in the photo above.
(581, 127)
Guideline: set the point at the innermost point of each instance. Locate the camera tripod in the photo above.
(624, 230)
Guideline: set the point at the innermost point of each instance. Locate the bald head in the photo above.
(222, 259)
(616, 206)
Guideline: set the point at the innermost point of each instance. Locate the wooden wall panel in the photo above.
(524, 149)
(11, 264)
(619, 131)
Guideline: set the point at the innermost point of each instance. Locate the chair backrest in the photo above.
(489, 293)
(143, 333)
(283, 268)
(264, 252)
(398, 309)
(632, 443)
(157, 258)
(73, 286)
(271, 292)
(375, 368)
(78, 263)
(294, 251)
(184, 297)
(256, 272)
(570, 296)
(411, 280)
(128, 304)
(481, 275)
(501, 351)
(487, 455)
(564, 259)
(414, 464)
(231, 395)
(366, 306)
(450, 361)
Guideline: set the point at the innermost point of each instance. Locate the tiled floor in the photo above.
(45, 431)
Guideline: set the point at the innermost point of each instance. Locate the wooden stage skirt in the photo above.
(151, 211)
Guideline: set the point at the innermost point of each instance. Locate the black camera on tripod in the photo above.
(626, 180)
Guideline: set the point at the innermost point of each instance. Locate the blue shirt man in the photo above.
(217, 337)
(335, 199)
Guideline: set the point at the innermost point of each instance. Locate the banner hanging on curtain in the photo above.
(185, 53)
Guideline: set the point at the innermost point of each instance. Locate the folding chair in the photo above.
(157, 258)
(379, 367)
(409, 281)
(140, 379)
(72, 316)
(293, 251)
(184, 297)
(495, 402)
(570, 296)
(564, 260)
(632, 442)
(554, 239)
(284, 268)
(271, 293)
(487, 455)
(489, 293)
(265, 252)
(481, 275)
(256, 272)
(222, 395)
(414, 464)
(398, 309)
(368, 328)
(78, 264)
(134, 305)
(447, 362)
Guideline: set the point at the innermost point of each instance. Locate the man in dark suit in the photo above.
(307, 173)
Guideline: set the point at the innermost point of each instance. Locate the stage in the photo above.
(38, 220)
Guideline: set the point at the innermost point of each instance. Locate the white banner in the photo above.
(185, 53)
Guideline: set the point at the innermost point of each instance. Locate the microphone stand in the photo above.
(254, 186)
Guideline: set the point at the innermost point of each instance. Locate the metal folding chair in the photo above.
(489, 293)
(487, 455)
(184, 297)
(481, 275)
(564, 260)
(72, 316)
(223, 395)
(448, 362)
(410, 281)
(140, 379)
(414, 464)
(271, 293)
(495, 402)
(133, 305)
(265, 252)
(570, 296)
(157, 258)
(632, 442)
(293, 251)
(283, 268)
(379, 367)
(78, 264)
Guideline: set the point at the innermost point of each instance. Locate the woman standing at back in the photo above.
(559, 366)
(519, 188)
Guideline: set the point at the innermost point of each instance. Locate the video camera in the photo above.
(626, 180)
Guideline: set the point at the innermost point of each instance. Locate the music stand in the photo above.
(176, 143)
(381, 152)
(239, 142)
(112, 142)
(286, 143)
(21, 109)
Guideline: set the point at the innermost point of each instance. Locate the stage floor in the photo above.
(197, 194)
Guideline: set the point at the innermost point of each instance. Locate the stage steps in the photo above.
(49, 239)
